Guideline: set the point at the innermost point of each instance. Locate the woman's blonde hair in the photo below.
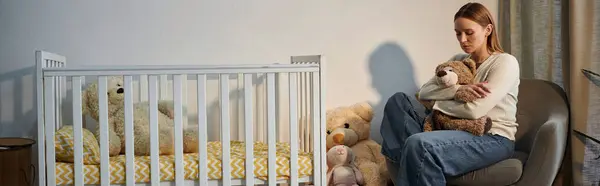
(480, 14)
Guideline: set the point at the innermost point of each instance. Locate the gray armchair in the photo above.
(543, 117)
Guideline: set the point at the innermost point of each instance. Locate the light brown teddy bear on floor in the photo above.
(351, 126)
(141, 121)
(448, 74)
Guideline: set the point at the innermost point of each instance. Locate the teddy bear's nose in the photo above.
(338, 138)
(340, 151)
(120, 90)
(441, 73)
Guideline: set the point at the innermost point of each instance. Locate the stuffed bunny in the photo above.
(341, 168)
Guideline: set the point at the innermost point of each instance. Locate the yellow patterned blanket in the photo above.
(64, 171)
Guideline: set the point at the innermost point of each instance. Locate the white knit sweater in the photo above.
(501, 71)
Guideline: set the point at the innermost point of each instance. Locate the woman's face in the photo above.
(471, 36)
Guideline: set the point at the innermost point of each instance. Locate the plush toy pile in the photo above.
(341, 168)
(350, 126)
(448, 74)
(141, 122)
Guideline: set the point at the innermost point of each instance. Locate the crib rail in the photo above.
(178, 69)
(306, 117)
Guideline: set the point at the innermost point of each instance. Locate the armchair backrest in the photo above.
(538, 101)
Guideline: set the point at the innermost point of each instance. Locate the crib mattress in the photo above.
(64, 171)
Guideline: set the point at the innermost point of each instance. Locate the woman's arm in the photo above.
(432, 91)
(501, 79)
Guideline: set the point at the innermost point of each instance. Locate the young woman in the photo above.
(427, 158)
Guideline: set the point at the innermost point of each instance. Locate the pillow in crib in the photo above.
(64, 145)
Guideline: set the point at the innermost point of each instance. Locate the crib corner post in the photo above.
(323, 124)
(48, 113)
(40, 118)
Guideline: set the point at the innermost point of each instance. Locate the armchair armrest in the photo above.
(547, 152)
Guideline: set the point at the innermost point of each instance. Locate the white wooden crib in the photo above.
(304, 111)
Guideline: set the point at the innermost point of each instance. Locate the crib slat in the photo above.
(309, 108)
(154, 155)
(316, 130)
(77, 131)
(306, 110)
(178, 121)
(60, 96)
(56, 98)
(225, 129)
(50, 124)
(272, 130)
(103, 122)
(202, 131)
(249, 129)
(293, 129)
(129, 137)
(301, 110)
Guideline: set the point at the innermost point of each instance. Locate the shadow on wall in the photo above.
(236, 98)
(391, 71)
(18, 115)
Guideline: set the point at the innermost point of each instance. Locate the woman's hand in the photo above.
(471, 92)
(479, 89)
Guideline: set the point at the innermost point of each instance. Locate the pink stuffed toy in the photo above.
(342, 171)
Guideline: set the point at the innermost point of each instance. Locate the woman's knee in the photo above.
(398, 99)
(418, 142)
(399, 96)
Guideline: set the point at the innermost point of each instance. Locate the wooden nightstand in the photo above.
(15, 162)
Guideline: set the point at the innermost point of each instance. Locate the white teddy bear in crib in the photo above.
(141, 120)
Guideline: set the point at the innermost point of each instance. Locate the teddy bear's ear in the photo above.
(115, 81)
(471, 64)
(363, 110)
(437, 68)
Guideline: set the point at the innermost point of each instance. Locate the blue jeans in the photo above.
(428, 158)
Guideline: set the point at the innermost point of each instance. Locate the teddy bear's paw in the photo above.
(371, 174)
(167, 109)
(141, 145)
(166, 140)
(477, 130)
(170, 114)
(488, 124)
(114, 148)
(115, 143)
(190, 140)
(167, 149)
(190, 147)
(427, 127)
(465, 96)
